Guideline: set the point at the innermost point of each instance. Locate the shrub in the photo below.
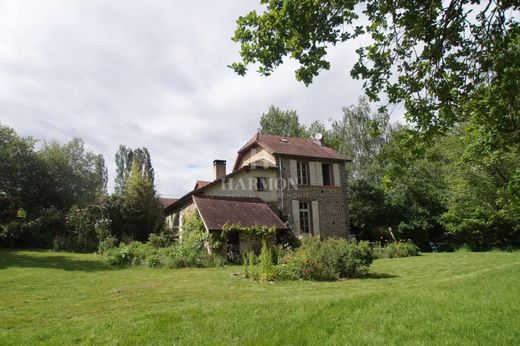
(288, 271)
(327, 260)
(159, 251)
(134, 253)
(156, 241)
(331, 259)
(249, 265)
(178, 255)
(153, 261)
(400, 249)
(464, 248)
(107, 244)
(267, 272)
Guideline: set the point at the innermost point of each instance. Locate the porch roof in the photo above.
(248, 212)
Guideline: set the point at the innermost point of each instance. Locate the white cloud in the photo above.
(148, 74)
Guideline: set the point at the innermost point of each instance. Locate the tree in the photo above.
(436, 57)
(281, 123)
(45, 183)
(360, 134)
(21, 172)
(317, 127)
(74, 175)
(56, 175)
(483, 204)
(143, 160)
(141, 207)
(125, 157)
(401, 189)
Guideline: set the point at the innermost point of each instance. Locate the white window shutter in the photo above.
(296, 216)
(312, 173)
(293, 171)
(319, 174)
(315, 219)
(337, 177)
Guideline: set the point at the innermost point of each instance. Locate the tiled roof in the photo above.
(201, 183)
(201, 188)
(167, 201)
(293, 146)
(248, 212)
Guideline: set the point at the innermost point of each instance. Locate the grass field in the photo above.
(447, 298)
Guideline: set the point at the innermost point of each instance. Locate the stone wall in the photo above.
(332, 202)
(253, 243)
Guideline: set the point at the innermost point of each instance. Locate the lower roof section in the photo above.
(247, 212)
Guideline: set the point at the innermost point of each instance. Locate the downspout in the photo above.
(281, 177)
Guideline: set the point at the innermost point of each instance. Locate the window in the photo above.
(261, 184)
(305, 218)
(326, 169)
(303, 173)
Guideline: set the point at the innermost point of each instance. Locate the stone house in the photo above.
(274, 178)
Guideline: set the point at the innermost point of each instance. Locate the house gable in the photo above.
(255, 154)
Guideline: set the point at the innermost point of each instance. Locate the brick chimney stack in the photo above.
(219, 168)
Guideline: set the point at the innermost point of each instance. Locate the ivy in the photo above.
(262, 231)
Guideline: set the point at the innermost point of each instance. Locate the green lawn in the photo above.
(64, 298)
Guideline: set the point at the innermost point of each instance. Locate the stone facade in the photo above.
(316, 207)
(253, 243)
(331, 200)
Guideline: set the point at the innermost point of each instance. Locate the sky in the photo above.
(153, 74)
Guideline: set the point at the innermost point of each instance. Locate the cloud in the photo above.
(149, 74)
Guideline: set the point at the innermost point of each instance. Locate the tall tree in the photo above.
(436, 57)
(281, 123)
(317, 127)
(141, 207)
(143, 160)
(360, 134)
(125, 157)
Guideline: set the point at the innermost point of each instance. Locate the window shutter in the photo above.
(296, 216)
(337, 177)
(315, 219)
(319, 174)
(293, 171)
(312, 173)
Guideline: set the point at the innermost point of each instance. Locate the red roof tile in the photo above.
(167, 201)
(248, 212)
(201, 183)
(293, 146)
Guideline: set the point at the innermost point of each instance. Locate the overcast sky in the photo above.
(153, 74)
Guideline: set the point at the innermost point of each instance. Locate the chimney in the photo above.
(219, 168)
